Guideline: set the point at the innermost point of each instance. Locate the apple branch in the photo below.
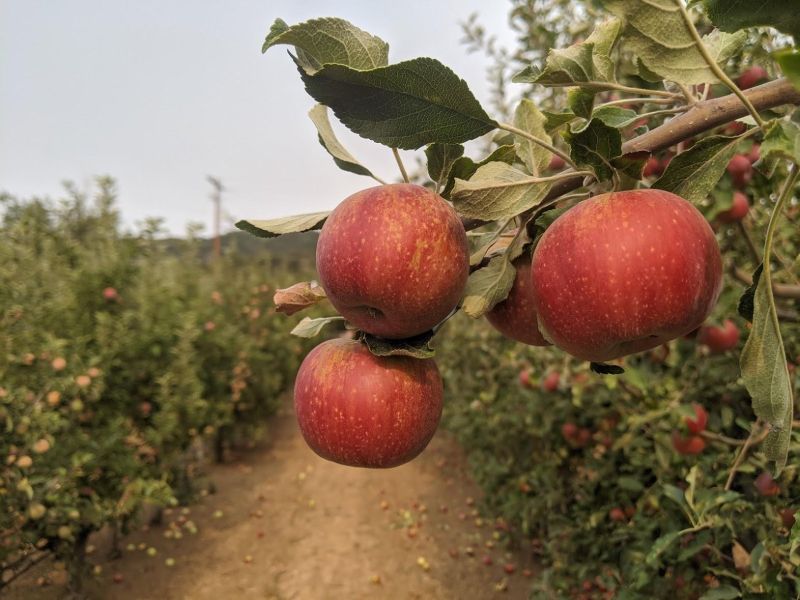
(701, 117)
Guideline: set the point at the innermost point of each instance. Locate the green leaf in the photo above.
(405, 105)
(660, 546)
(606, 369)
(746, 306)
(587, 61)
(309, 328)
(631, 165)
(479, 244)
(766, 375)
(615, 116)
(329, 41)
(732, 15)
(723, 592)
(416, 347)
(694, 173)
(581, 102)
(675, 494)
(528, 118)
(557, 119)
(275, 227)
(630, 484)
(789, 62)
(488, 286)
(497, 191)
(440, 160)
(465, 167)
(657, 35)
(343, 159)
(594, 147)
(782, 140)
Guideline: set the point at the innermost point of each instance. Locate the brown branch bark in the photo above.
(700, 118)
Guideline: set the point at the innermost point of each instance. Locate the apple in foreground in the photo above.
(515, 317)
(362, 410)
(624, 272)
(393, 260)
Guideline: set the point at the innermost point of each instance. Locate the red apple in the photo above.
(569, 430)
(787, 517)
(110, 294)
(556, 163)
(362, 410)
(515, 317)
(766, 485)
(584, 437)
(755, 153)
(719, 339)
(698, 424)
(653, 167)
(735, 128)
(738, 210)
(751, 77)
(525, 378)
(393, 259)
(690, 445)
(617, 514)
(551, 382)
(625, 272)
(740, 169)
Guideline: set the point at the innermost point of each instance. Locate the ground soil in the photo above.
(285, 524)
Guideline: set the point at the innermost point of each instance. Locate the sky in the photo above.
(160, 94)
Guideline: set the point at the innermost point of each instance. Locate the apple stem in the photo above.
(715, 68)
(400, 164)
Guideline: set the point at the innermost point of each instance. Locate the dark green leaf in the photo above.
(416, 347)
(440, 160)
(594, 147)
(723, 592)
(405, 105)
(746, 305)
(605, 369)
(660, 546)
(581, 102)
(694, 173)
(631, 164)
(557, 119)
(732, 15)
(343, 159)
(329, 41)
(275, 227)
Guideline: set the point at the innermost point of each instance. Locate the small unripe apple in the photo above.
(698, 424)
(556, 163)
(551, 382)
(569, 430)
(691, 445)
(110, 294)
(751, 77)
(624, 272)
(525, 378)
(787, 517)
(515, 317)
(740, 169)
(584, 437)
(393, 260)
(616, 514)
(719, 339)
(362, 410)
(59, 364)
(738, 210)
(766, 485)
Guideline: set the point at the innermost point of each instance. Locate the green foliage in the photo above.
(284, 225)
(732, 15)
(122, 361)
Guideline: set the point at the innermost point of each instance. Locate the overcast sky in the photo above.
(159, 94)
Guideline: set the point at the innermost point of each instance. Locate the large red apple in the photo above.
(362, 410)
(393, 260)
(515, 317)
(624, 272)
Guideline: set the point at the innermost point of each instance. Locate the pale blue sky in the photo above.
(158, 94)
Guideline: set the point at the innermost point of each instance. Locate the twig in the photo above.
(636, 101)
(687, 93)
(520, 132)
(742, 453)
(400, 164)
(715, 68)
(606, 85)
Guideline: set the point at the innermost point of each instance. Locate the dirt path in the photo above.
(286, 524)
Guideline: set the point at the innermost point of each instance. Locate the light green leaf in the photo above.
(479, 245)
(557, 119)
(765, 373)
(581, 102)
(723, 592)
(497, 191)
(657, 35)
(615, 116)
(630, 484)
(586, 62)
(732, 15)
(406, 105)
(528, 118)
(309, 328)
(275, 227)
(465, 167)
(329, 41)
(694, 173)
(594, 147)
(440, 160)
(660, 546)
(488, 286)
(782, 140)
(789, 61)
(343, 159)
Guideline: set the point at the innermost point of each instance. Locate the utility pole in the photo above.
(216, 198)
